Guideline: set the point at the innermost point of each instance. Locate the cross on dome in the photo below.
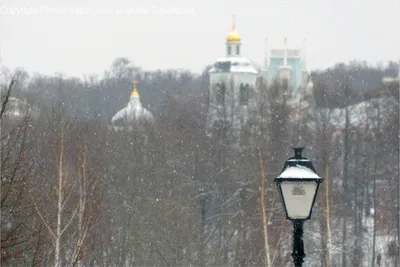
(233, 36)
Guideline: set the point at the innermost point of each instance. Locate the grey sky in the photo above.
(46, 40)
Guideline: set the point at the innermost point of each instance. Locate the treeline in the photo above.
(93, 96)
(75, 193)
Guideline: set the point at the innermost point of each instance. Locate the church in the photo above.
(232, 88)
(292, 60)
(132, 114)
(233, 84)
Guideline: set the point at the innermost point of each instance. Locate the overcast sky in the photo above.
(51, 36)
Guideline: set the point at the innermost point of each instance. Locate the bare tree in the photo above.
(70, 217)
(56, 232)
(18, 235)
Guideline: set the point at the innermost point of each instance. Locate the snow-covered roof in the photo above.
(233, 64)
(298, 171)
(131, 113)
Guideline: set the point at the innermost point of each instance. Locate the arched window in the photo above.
(238, 50)
(244, 94)
(220, 93)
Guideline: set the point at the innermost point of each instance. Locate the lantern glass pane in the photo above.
(298, 198)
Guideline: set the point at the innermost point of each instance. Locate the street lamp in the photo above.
(298, 186)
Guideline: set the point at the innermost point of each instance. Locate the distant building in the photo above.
(18, 109)
(232, 89)
(286, 63)
(133, 113)
(392, 82)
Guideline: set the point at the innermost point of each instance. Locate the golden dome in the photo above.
(134, 91)
(233, 36)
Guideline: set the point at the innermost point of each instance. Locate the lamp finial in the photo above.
(297, 152)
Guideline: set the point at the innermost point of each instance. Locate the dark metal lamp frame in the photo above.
(279, 181)
(298, 246)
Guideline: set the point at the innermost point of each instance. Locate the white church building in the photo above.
(133, 113)
(232, 89)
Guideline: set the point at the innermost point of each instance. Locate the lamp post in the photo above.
(298, 186)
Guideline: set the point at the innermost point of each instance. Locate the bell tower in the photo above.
(232, 91)
(233, 41)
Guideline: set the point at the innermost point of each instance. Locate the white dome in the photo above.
(133, 112)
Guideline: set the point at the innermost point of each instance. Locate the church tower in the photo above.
(233, 42)
(232, 90)
(285, 69)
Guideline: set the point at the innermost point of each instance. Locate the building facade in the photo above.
(292, 60)
(232, 90)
